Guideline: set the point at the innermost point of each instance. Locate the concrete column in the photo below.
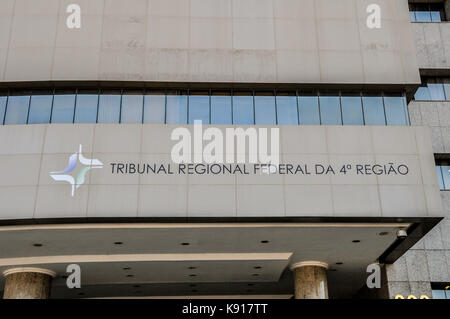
(310, 280)
(27, 283)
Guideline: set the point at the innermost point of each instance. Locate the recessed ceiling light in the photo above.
(192, 275)
(356, 241)
(255, 275)
(264, 241)
(126, 268)
(136, 286)
(257, 267)
(192, 267)
(250, 285)
(118, 243)
(185, 244)
(339, 263)
(383, 233)
(38, 245)
(130, 276)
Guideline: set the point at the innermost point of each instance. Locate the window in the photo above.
(427, 12)
(309, 109)
(352, 111)
(221, 107)
(440, 290)
(443, 172)
(155, 108)
(330, 110)
(3, 100)
(132, 107)
(17, 109)
(109, 107)
(199, 107)
(374, 110)
(40, 107)
(86, 107)
(221, 112)
(177, 108)
(287, 110)
(63, 107)
(433, 89)
(396, 112)
(243, 108)
(265, 113)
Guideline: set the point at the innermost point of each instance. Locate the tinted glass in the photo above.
(396, 112)
(155, 108)
(352, 113)
(221, 109)
(132, 106)
(86, 108)
(435, 16)
(287, 111)
(422, 94)
(447, 91)
(374, 110)
(265, 110)
(423, 16)
(243, 110)
(40, 109)
(3, 100)
(440, 179)
(330, 110)
(446, 177)
(199, 108)
(436, 91)
(63, 108)
(109, 108)
(309, 110)
(17, 110)
(176, 109)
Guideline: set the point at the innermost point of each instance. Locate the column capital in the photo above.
(309, 263)
(11, 271)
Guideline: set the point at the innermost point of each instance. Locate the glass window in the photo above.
(396, 111)
(436, 91)
(86, 107)
(3, 100)
(422, 94)
(265, 108)
(132, 106)
(447, 89)
(109, 107)
(63, 107)
(155, 108)
(438, 294)
(287, 111)
(309, 109)
(374, 110)
(221, 108)
(435, 16)
(423, 16)
(40, 108)
(352, 113)
(440, 179)
(199, 107)
(446, 177)
(17, 109)
(412, 15)
(177, 108)
(330, 110)
(243, 108)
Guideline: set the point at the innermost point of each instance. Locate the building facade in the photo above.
(244, 148)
